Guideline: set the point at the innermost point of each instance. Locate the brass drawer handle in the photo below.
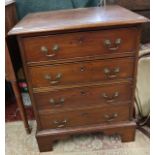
(111, 46)
(111, 73)
(110, 118)
(45, 50)
(82, 69)
(110, 99)
(55, 81)
(60, 124)
(57, 103)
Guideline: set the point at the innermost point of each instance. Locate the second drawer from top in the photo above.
(85, 72)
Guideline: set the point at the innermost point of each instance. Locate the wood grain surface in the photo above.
(87, 96)
(70, 96)
(81, 72)
(79, 45)
(76, 19)
(84, 117)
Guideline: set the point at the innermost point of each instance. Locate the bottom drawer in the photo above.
(99, 115)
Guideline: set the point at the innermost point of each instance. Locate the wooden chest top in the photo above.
(81, 18)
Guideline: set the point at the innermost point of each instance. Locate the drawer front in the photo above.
(81, 72)
(110, 94)
(81, 44)
(84, 117)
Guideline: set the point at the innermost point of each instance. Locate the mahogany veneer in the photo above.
(89, 96)
(79, 44)
(80, 66)
(81, 72)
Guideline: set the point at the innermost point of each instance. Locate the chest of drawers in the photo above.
(80, 66)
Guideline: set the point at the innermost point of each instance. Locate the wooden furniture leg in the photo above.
(10, 76)
(21, 106)
(46, 139)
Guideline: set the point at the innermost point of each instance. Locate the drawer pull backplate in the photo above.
(45, 50)
(60, 124)
(110, 99)
(55, 81)
(57, 103)
(111, 73)
(110, 118)
(113, 46)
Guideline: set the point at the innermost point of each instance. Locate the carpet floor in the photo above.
(19, 143)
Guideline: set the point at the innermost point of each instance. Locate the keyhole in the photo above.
(80, 40)
(83, 93)
(82, 69)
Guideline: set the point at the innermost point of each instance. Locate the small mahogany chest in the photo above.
(80, 66)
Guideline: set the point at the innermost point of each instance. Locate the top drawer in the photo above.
(80, 44)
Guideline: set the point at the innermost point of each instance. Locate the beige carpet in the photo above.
(19, 143)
